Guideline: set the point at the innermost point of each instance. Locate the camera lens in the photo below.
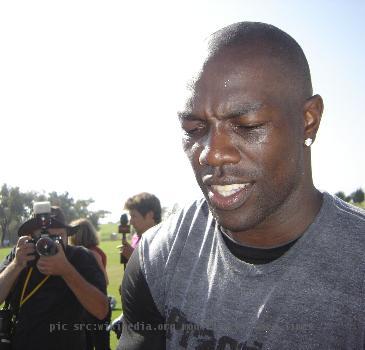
(46, 246)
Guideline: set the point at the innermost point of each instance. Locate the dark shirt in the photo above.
(255, 255)
(52, 318)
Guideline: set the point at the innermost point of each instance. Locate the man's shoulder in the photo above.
(178, 224)
(162, 248)
(186, 226)
(85, 263)
(348, 213)
(78, 253)
(77, 249)
(343, 224)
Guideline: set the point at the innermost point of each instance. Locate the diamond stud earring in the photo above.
(308, 141)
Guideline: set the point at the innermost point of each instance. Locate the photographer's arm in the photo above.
(23, 254)
(90, 297)
(7, 279)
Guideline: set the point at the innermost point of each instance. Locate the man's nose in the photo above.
(219, 149)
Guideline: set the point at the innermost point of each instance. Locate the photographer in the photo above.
(49, 293)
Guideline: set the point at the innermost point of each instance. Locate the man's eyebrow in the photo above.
(237, 112)
(186, 115)
(243, 110)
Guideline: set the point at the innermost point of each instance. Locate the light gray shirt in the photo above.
(312, 297)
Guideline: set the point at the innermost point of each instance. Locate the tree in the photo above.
(341, 195)
(94, 217)
(15, 207)
(358, 196)
(76, 209)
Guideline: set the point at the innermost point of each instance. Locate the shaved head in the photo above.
(248, 111)
(268, 46)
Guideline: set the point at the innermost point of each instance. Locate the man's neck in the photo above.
(284, 226)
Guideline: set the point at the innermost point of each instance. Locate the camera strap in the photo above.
(39, 285)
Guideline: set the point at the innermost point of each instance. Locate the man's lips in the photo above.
(229, 196)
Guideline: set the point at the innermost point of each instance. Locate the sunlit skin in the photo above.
(244, 124)
(141, 223)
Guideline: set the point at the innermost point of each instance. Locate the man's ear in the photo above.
(313, 109)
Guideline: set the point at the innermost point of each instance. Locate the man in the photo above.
(266, 261)
(50, 294)
(145, 212)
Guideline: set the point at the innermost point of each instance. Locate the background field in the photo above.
(114, 269)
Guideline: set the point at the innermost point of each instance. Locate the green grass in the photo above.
(4, 252)
(115, 274)
(106, 230)
(114, 268)
(361, 205)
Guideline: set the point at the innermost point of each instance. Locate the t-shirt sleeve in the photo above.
(8, 259)
(86, 264)
(143, 325)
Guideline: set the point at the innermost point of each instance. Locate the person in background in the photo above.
(145, 212)
(97, 335)
(87, 236)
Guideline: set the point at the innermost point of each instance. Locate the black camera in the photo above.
(5, 329)
(45, 243)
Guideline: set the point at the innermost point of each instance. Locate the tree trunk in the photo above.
(4, 231)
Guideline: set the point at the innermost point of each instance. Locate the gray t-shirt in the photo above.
(312, 297)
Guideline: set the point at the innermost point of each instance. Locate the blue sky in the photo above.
(89, 90)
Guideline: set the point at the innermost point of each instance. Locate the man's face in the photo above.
(243, 136)
(139, 222)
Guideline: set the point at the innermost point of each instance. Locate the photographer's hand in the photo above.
(56, 265)
(12, 271)
(24, 252)
(126, 250)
